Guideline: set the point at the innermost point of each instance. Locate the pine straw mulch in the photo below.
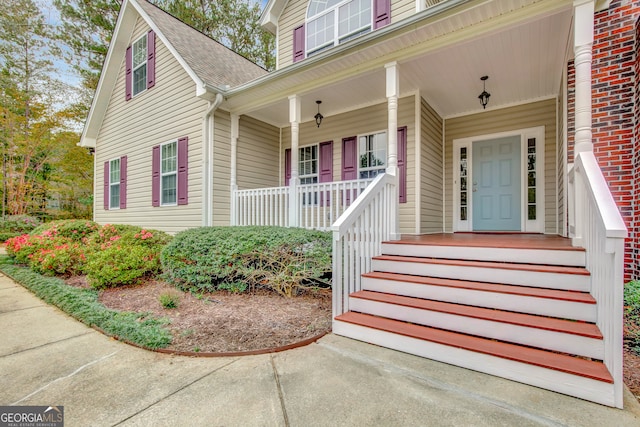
(631, 364)
(222, 322)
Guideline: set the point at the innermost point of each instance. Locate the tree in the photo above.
(32, 116)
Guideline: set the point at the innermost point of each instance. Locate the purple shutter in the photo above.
(151, 59)
(155, 176)
(183, 171)
(349, 165)
(349, 159)
(287, 166)
(106, 186)
(381, 13)
(123, 182)
(298, 43)
(326, 168)
(402, 163)
(128, 77)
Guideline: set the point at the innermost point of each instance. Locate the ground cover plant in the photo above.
(632, 315)
(139, 328)
(288, 261)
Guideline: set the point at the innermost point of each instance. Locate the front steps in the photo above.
(518, 318)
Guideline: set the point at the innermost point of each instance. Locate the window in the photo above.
(114, 184)
(331, 22)
(308, 164)
(169, 173)
(139, 56)
(372, 151)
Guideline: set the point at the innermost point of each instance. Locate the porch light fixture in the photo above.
(319, 116)
(484, 96)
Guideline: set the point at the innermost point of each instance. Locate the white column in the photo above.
(393, 90)
(235, 130)
(294, 119)
(583, 11)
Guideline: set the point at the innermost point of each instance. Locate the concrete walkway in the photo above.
(48, 358)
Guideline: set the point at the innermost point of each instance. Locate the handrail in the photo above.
(597, 225)
(358, 235)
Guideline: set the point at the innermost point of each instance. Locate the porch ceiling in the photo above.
(523, 57)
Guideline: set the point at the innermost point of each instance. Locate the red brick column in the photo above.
(634, 229)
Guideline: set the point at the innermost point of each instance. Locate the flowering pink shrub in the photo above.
(67, 258)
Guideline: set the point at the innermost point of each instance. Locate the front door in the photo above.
(496, 186)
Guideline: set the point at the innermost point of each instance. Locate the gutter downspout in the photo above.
(207, 161)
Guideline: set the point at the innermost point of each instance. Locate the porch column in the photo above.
(294, 119)
(235, 129)
(583, 11)
(393, 90)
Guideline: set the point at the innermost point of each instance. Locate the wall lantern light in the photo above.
(484, 96)
(319, 116)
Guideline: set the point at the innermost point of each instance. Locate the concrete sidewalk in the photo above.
(48, 358)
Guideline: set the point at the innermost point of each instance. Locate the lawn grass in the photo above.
(138, 328)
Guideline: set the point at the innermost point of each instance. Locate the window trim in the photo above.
(386, 154)
(163, 174)
(145, 63)
(337, 38)
(117, 182)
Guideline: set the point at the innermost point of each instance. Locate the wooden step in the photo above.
(524, 299)
(554, 256)
(545, 359)
(579, 338)
(533, 275)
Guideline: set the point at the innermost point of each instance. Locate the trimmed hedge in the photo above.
(285, 260)
(139, 328)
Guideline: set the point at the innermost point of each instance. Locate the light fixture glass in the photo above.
(484, 96)
(319, 116)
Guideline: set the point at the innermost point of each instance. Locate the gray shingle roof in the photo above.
(212, 62)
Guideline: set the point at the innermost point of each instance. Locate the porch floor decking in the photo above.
(490, 240)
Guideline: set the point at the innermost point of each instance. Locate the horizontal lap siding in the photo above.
(163, 113)
(431, 172)
(359, 122)
(293, 15)
(541, 113)
(221, 172)
(258, 160)
(401, 9)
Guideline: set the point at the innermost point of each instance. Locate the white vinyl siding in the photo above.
(169, 173)
(541, 113)
(134, 127)
(139, 65)
(431, 220)
(363, 121)
(114, 184)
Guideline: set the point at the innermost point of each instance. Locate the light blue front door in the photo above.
(496, 190)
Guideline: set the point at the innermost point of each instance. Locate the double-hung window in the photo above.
(114, 184)
(169, 173)
(331, 22)
(139, 56)
(308, 164)
(372, 152)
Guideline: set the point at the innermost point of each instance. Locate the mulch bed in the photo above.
(222, 322)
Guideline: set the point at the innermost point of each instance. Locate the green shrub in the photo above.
(119, 265)
(632, 315)
(74, 229)
(169, 300)
(16, 225)
(121, 234)
(67, 258)
(285, 260)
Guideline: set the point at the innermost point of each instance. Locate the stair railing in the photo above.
(595, 224)
(358, 235)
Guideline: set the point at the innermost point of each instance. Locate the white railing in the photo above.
(596, 225)
(318, 205)
(260, 206)
(358, 235)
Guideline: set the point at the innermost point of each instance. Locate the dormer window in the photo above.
(331, 22)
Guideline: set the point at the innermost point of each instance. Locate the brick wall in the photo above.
(634, 230)
(614, 127)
